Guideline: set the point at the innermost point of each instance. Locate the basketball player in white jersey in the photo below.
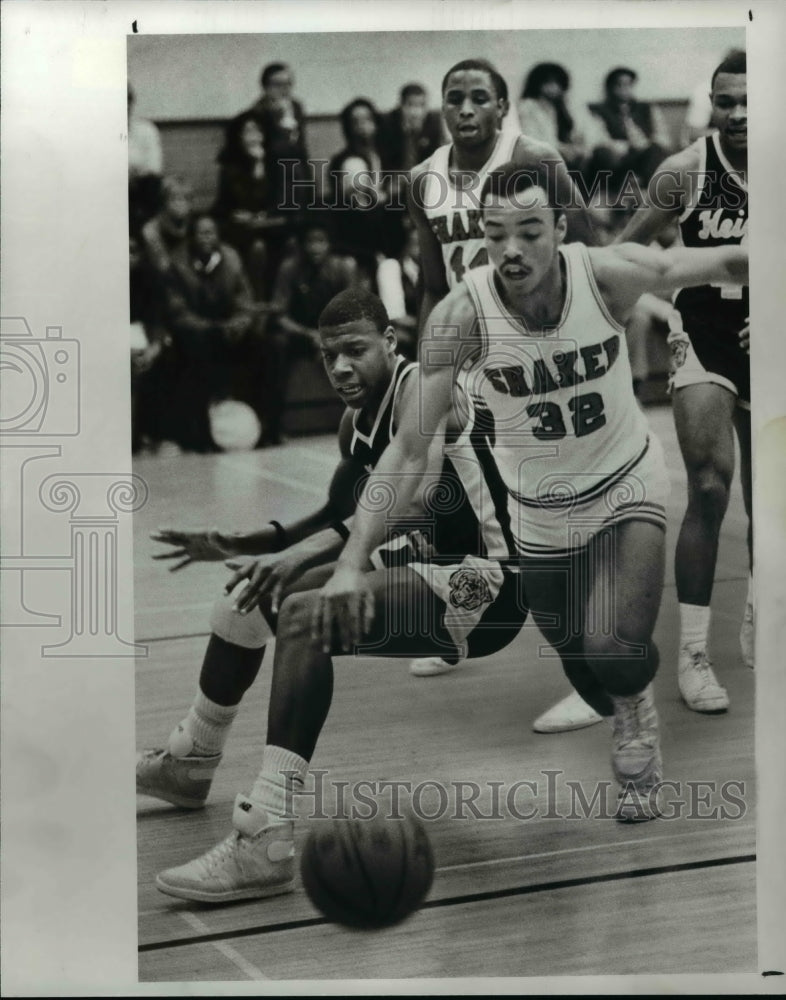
(537, 339)
(704, 187)
(444, 190)
(444, 206)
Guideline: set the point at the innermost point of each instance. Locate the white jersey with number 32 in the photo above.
(452, 207)
(566, 421)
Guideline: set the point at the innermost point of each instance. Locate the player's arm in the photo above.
(312, 541)
(540, 157)
(435, 283)
(346, 600)
(627, 271)
(339, 503)
(666, 196)
(321, 528)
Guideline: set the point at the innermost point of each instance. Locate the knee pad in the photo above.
(251, 631)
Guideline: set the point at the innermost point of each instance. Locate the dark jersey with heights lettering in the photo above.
(713, 315)
(368, 443)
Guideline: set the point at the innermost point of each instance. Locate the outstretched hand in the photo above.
(346, 606)
(193, 546)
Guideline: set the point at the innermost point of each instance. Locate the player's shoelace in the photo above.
(702, 664)
(217, 855)
(626, 719)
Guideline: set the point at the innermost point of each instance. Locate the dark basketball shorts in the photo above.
(701, 352)
(484, 602)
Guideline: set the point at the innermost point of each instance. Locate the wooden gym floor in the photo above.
(552, 895)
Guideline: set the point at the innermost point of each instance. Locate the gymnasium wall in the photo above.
(214, 76)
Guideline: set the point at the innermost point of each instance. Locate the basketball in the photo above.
(367, 873)
(234, 426)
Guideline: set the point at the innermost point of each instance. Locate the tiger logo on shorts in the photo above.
(468, 589)
(678, 342)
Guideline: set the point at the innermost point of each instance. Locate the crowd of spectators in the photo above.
(225, 302)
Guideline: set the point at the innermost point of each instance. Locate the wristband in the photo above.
(281, 536)
(341, 529)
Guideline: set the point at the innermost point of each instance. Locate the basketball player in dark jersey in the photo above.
(358, 347)
(705, 188)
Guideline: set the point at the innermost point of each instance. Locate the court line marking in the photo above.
(542, 854)
(564, 850)
(246, 967)
(475, 897)
(275, 477)
(167, 638)
(321, 455)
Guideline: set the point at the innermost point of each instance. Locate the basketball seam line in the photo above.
(353, 836)
(289, 925)
(328, 888)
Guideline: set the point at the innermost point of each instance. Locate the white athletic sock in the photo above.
(695, 626)
(276, 784)
(204, 730)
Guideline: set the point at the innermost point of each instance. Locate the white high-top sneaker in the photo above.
(698, 684)
(254, 861)
(635, 757)
(183, 781)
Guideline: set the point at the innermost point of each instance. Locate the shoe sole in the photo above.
(708, 709)
(172, 799)
(630, 814)
(564, 727)
(419, 672)
(201, 896)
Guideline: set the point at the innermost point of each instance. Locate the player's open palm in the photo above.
(193, 546)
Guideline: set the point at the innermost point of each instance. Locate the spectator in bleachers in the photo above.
(411, 133)
(634, 137)
(363, 228)
(543, 113)
(281, 119)
(165, 236)
(307, 280)
(400, 287)
(150, 368)
(215, 332)
(245, 205)
(145, 167)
